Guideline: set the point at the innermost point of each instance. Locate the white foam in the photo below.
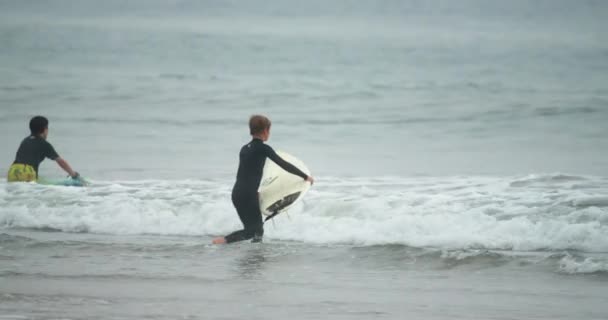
(446, 213)
(571, 265)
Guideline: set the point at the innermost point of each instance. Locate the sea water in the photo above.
(459, 150)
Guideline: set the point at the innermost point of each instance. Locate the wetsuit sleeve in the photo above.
(270, 153)
(50, 152)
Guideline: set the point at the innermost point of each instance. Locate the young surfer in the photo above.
(245, 191)
(32, 151)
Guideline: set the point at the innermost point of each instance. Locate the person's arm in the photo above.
(270, 153)
(52, 154)
(66, 167)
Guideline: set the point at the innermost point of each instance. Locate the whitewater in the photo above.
(458, 149)
(543, 215)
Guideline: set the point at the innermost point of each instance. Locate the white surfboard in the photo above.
(280, 190)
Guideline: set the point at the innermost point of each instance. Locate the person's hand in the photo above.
(311, 180)
(76, 175)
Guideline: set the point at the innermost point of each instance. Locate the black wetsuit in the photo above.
(33, 150)
(245, 192)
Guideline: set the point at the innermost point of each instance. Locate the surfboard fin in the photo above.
(271, 216)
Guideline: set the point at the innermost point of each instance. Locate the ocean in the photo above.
(459, 150)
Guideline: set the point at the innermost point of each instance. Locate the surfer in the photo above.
(245, 191)
(32, 151)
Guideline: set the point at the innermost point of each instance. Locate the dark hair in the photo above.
(258, 123)
(38, 124)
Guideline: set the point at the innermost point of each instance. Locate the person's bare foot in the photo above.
(219, 240)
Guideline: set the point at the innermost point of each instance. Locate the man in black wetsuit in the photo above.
(245, 191)
(32, 150)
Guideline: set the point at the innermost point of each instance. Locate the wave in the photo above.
(102, 276)
(561, 111)
(534, 213)
(556, 178)
(592, 201)
(377, 257)
(223, 122)
(573, 265)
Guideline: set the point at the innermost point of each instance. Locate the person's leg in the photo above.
(258, 233)
(236, 236)
(249, 212)
(255, 226)
(250, 232)
(21, 173)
